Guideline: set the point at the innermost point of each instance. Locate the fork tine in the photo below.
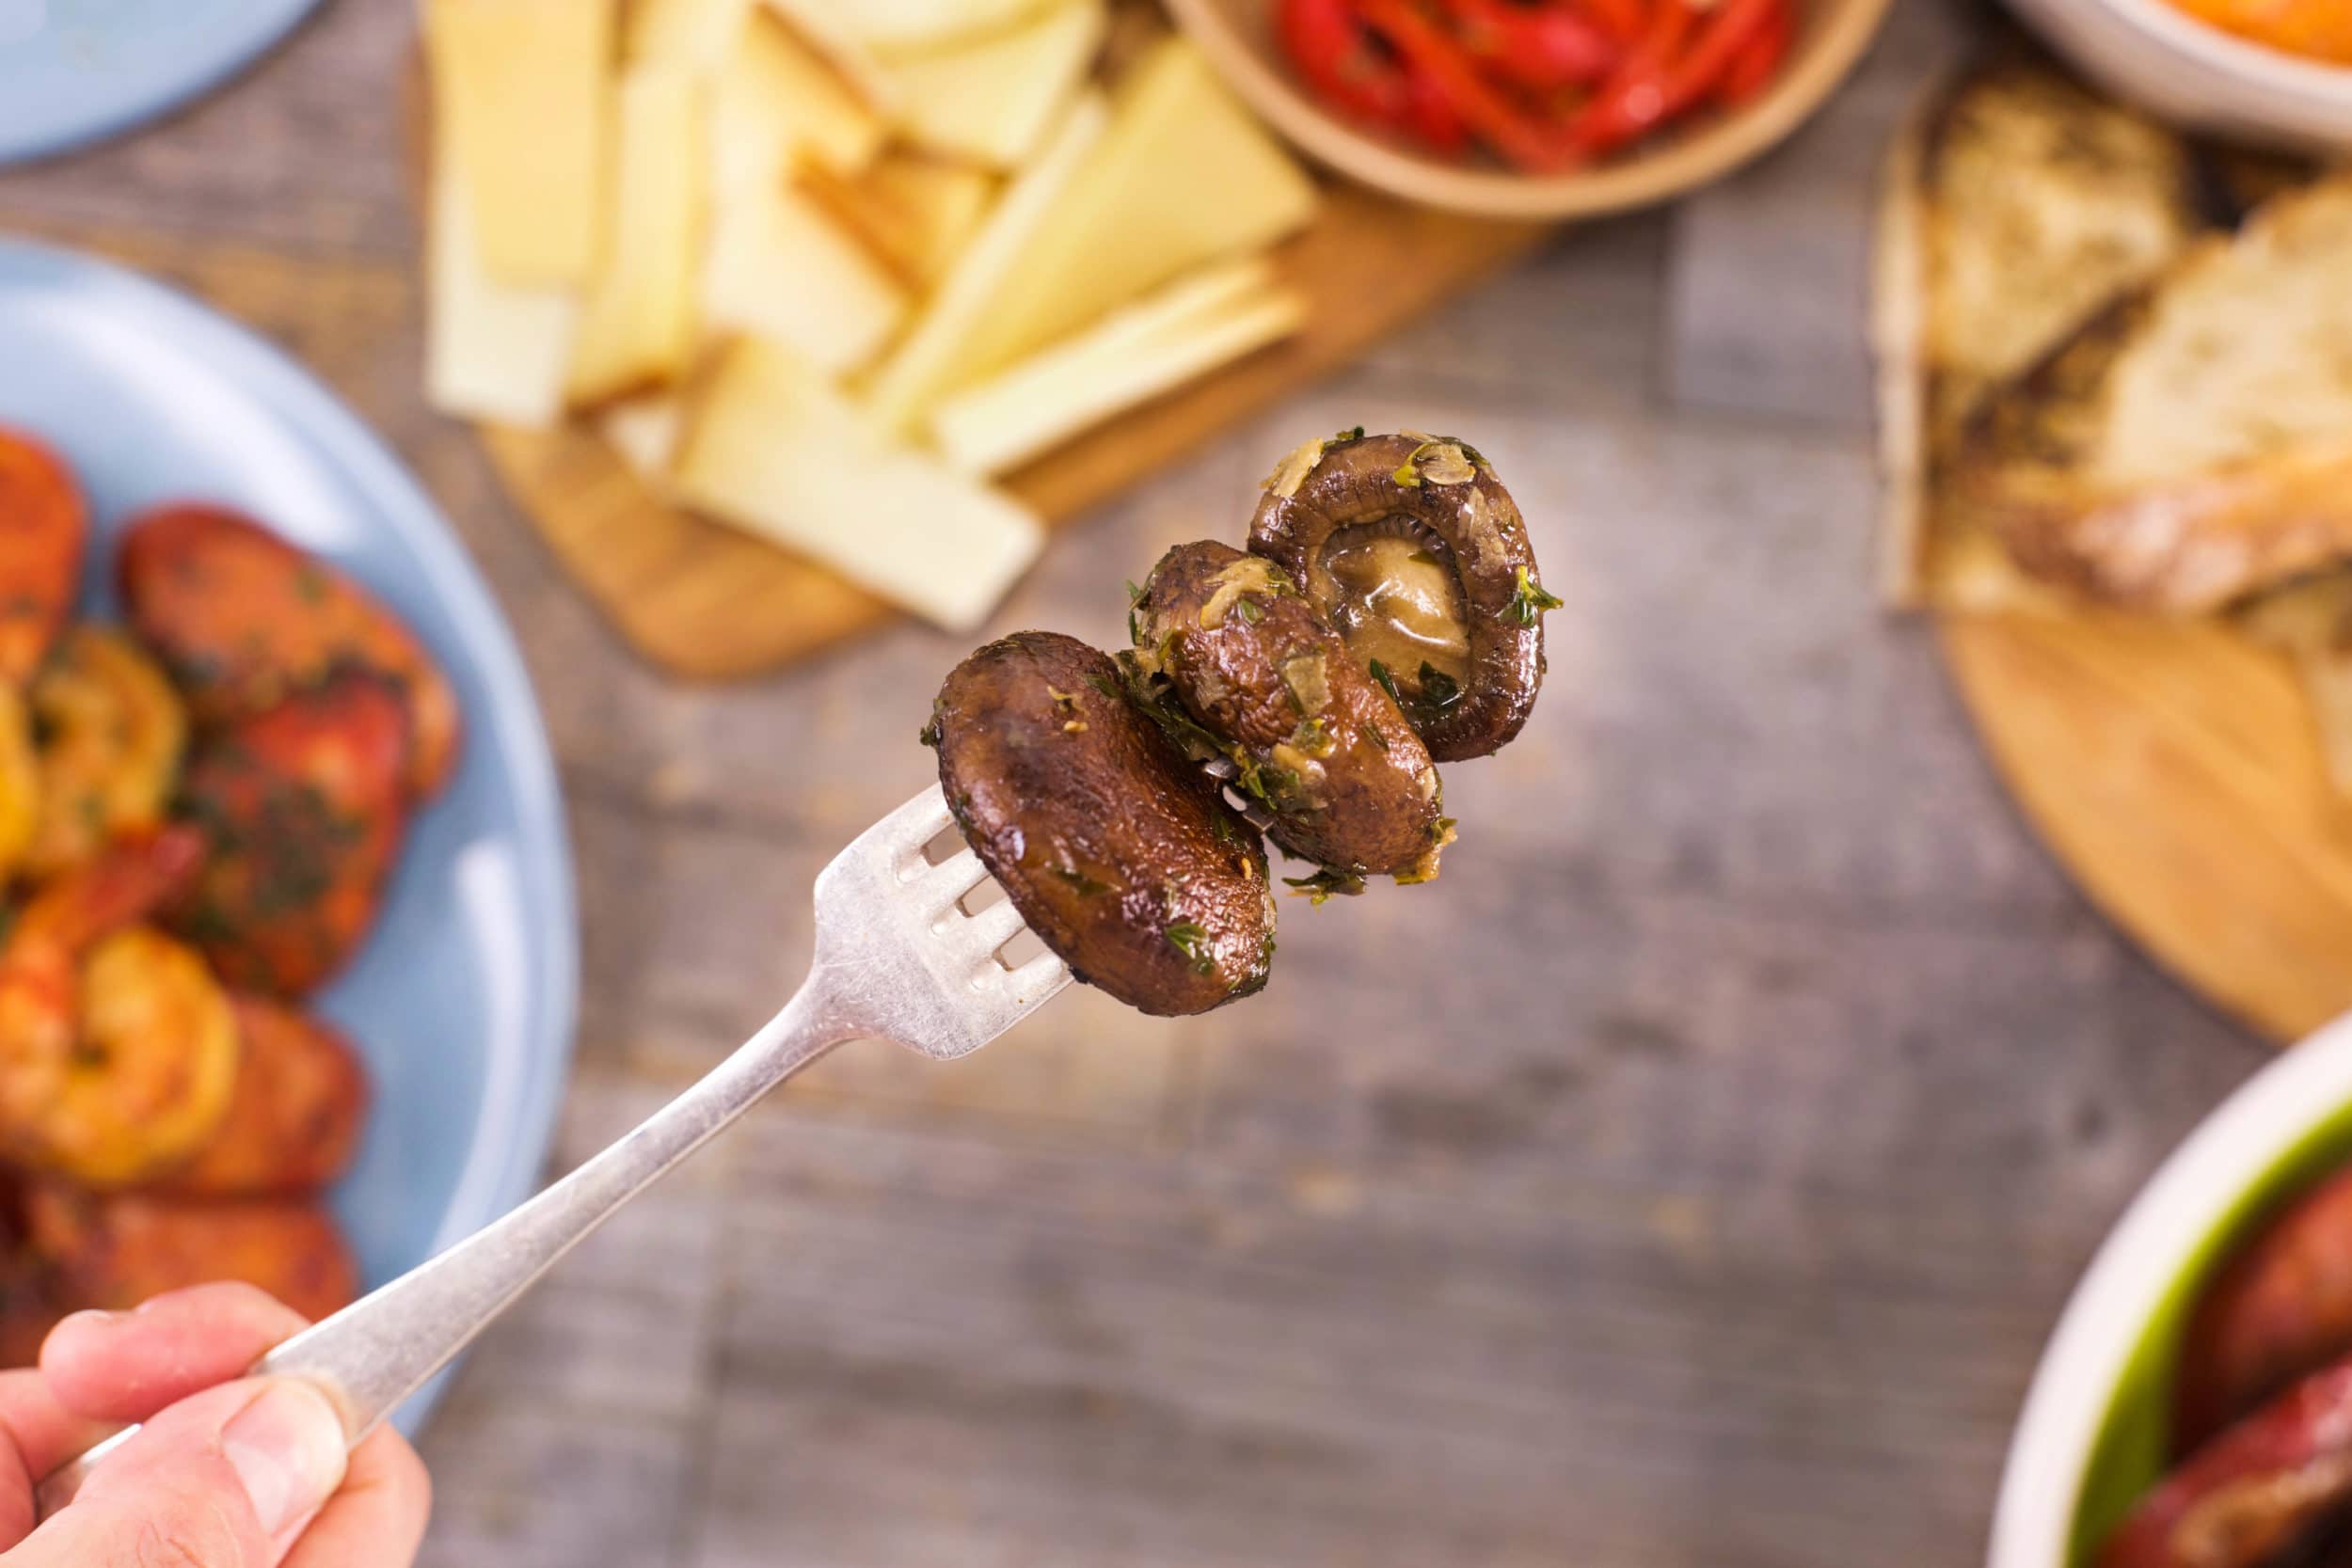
(936, 892)
(990, 929)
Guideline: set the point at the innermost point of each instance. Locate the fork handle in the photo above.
(376, 1351)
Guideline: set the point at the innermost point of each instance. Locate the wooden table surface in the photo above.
(1690, 1178)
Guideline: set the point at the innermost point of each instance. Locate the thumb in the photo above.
(226, 1479)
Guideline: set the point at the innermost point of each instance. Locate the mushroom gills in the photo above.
(1395, 597)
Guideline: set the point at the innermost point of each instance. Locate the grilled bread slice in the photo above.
(2016, 205)
(2193, 443)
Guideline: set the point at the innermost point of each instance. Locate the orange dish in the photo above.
(2321, 29)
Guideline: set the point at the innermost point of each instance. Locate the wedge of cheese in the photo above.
(777, 100)
(888, 27)
(693, 35)
(912, 213)
(780, 268)
(638, 324)
(1132, 355)
(1185, 176)
(492, 351)
(773, 449)
(522, 89)
(825, 26)
(939, 342)
(992, 99)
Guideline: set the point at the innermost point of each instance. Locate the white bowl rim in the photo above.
(2191, 1195)
(2221, 50)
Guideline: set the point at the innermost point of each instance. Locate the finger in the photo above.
(126, 1366)
(377, 1520)
(224, 1479)
(37, 1435)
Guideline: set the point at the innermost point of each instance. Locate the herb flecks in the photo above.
(929, 733)
(1439, 691)
(1087, 887)
(1529, 600)
(1328, 882)
(1187, 938)
(1387, 682)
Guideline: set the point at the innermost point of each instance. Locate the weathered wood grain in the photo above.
(1687, 1178)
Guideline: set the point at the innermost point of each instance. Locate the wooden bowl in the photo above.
(1238, 37)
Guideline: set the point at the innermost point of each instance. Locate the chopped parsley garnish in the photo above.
(929, 733)
(1353, 432)
(1086, 885)
(1247, 608)
(1439, 691)
(1529, 600)
(1103, 684)
(1388, 681)
(1193, 943)
(1313, 739)
(1327, 882)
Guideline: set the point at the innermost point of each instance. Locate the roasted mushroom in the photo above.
(1237, 663)
(1415, 552)
(1119, 853)
(2271, 1492)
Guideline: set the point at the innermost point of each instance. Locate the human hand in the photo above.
(249, 1473)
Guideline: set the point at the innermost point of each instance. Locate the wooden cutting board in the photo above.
(700, 599)
(2174, 770)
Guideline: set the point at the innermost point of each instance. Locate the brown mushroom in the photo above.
(1238, 664)
(1119, 853)
(1416, 554)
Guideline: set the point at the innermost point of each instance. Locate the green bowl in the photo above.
(2094, 1432)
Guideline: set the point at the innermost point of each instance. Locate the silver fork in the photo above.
(898, 957)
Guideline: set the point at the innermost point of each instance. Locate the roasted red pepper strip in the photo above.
(1326, 39)
(1517, 135)
(1633, 100)
(1430, 114)
(1760, 61)
(1622, 20)
(1543, 48)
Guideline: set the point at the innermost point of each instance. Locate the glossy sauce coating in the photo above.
(43, 524)
(1326, 506)
(115, 1252)
(1257, 668)
(241, 619)
(304, 807)
(294, 1120)
(1120, 855)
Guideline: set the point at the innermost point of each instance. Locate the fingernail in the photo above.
(287, 1449)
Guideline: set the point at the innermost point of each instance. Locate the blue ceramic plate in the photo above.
(463, 998)
(75, 70)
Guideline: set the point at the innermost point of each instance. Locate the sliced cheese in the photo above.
(522, 89)
(1130, 356)
(1185, 176)
(774, 449)
(777, 100)
(638, 324)
(645, 430)
(822, 25)
(492, 351)
(781, 269)
(992, 99)
(939, 341)
(897, 25)
(912, 213)
(691, 34)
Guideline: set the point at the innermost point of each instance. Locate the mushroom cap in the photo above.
(1229, 638)
(1336, 490)
(1118, 851)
